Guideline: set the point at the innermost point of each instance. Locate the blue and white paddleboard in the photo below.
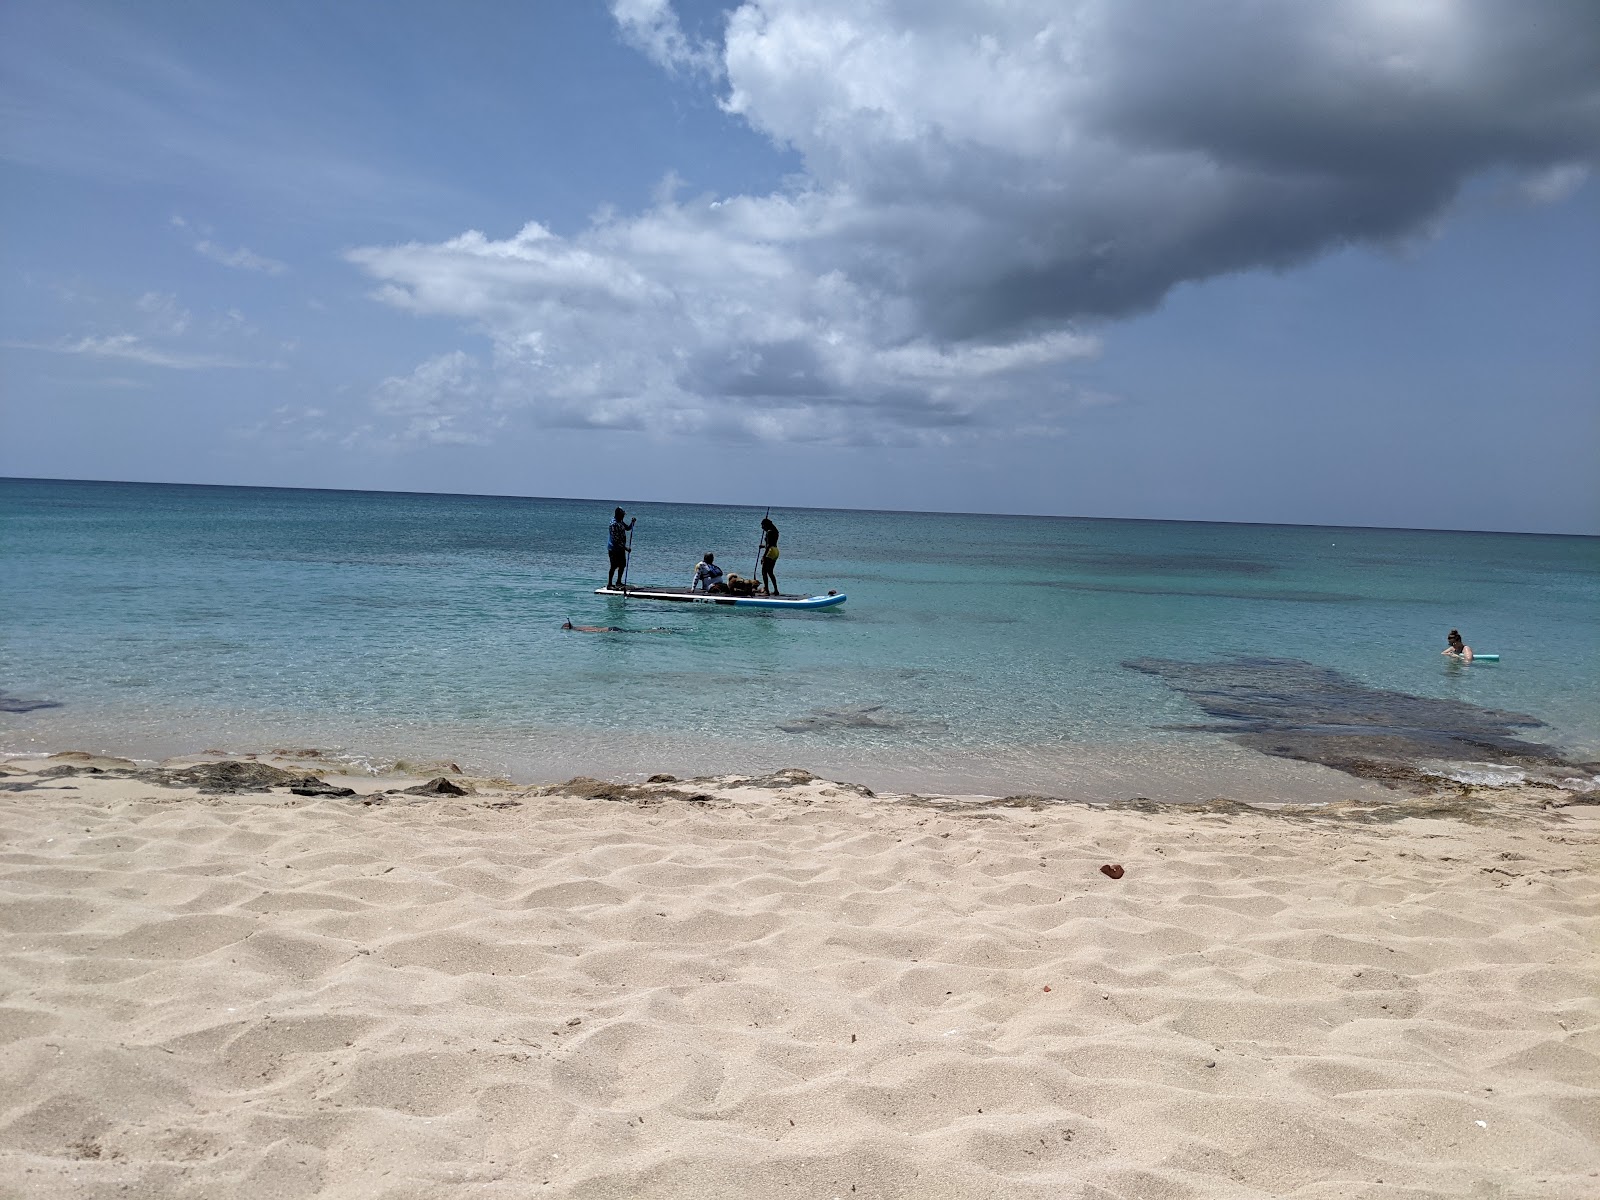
(689, 596)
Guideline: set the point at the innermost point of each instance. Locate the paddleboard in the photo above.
(689, 596)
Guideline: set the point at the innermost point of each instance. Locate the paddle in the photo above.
(761, 548)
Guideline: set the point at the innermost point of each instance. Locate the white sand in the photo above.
(790, 991)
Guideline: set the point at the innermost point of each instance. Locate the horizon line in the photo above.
(913, 512)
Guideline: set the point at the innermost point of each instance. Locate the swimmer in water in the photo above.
(567, 624)
(1457, 648)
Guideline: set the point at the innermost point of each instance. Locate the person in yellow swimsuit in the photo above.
(769, 556)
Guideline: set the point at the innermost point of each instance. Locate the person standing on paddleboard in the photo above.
(617, 549)
(769, 556)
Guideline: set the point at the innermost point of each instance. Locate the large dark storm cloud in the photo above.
(983, 178)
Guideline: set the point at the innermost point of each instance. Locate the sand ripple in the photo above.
(790, 991)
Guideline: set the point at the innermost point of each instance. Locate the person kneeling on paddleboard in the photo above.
(708, 576)
(1457, 648)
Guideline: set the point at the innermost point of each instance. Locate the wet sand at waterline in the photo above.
(783, 986)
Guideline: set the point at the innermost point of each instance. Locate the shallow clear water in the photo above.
(981, 652)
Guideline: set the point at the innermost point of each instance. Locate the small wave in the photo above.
(1482, 775)
(346, 761)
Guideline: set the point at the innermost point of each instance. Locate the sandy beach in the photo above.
(786, 987)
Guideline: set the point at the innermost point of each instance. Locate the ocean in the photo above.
(1100, 659)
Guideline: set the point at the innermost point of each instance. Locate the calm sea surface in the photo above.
(976, 653)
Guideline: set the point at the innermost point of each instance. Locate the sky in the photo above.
(1331, 262)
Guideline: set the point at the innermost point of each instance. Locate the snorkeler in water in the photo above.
(568, 625)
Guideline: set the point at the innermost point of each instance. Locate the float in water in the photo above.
(690, 596)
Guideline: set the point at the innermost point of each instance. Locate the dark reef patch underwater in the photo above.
(21, 704)
(858, 716)
(1294, 709)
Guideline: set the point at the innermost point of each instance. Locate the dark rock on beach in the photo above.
(438, 786)
(312, 786)
(585, 788)
(227, 778)
(84, 758)
(223, 778)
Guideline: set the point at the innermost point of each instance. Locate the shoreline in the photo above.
(1470, 791)
(1177, 769)
(736, 985)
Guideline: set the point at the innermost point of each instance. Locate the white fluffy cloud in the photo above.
(444, 401)
(707, 317)
(240, 258)
(133, 348)
(164, 314)
(985, 178)
(156, 330)
(652, 26)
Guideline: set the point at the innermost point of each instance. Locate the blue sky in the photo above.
(1325, 263)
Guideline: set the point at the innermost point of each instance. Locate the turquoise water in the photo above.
(975, 652)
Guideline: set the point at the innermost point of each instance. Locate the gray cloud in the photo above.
(985, 179)
(1089, 157)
